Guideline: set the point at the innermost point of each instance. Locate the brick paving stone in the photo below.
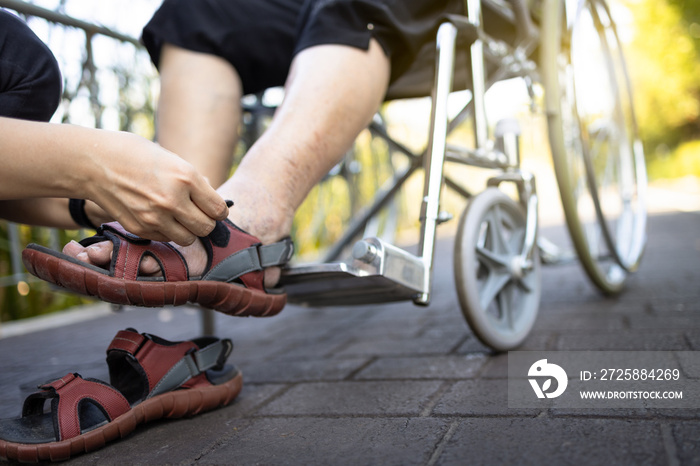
(666, 321)
(310, 348)
(690, 389)
(690, 364)
(496, 367)
(401, 384)
(303, 370)
(693, 339)
(399, 347)
(471, 344)
(182, 440)
(425, 367)
(179, 441)
(689, 304)
(354, 399)
(380, 329)
(541, 441)
(599, 305)
(623, 341)
(482, 397)
(583, 322)
(252, 396)
(538, 341)
(687, 440)
(314, 441)
(450, 329)
(627, 413)
(567, 284)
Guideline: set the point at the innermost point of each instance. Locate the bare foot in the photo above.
(100, 255)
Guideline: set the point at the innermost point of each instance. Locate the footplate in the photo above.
(377, 273)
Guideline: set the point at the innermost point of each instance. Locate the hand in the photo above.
(152, 192)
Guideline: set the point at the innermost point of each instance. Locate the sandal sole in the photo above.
(171, 405)
(227, 298)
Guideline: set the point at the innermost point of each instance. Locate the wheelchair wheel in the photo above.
(598, 157)
(498, 296)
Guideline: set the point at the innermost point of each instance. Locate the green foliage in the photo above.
(31, 297)
(685, 160)
(665, 69)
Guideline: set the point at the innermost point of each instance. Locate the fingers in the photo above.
(166, 199)
(209, 201)
(167, 231)
(180, 234)
(200, 214)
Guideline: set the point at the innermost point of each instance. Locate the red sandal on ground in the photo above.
(151, 378)
(232, 281)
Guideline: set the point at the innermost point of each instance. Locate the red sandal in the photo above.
(232, 282)
(151, 378)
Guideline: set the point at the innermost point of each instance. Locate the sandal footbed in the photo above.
(82, 278)
(171, 405)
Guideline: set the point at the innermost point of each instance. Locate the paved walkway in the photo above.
(398, 384)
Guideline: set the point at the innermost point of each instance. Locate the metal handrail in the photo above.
(55, 17)
(17, 271)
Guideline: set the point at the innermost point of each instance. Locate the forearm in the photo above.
(47, 212)
(149, 190)
(45, 160)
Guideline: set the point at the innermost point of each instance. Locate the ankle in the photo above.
(267, 228)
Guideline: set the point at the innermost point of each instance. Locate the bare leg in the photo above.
(331, 94)
(199, 110)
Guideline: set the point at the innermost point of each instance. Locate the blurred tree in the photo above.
(665, 68)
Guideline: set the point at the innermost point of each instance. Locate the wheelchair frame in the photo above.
(380, 272)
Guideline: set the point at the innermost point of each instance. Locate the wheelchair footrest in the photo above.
(378, 273)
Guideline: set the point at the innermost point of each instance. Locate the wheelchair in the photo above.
(597, 155)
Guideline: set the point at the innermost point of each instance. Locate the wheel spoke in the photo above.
(524, 283)
(490, 259)
(493, 284)
(496, 222)
(507, 306)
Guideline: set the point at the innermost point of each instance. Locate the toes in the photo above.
(149, 266)
(73, 249)
(100, 253)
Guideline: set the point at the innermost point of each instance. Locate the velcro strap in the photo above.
(213, 355)
(251, 259)
(58, 383)
(116, 228)
(277, 253)
(193, 364)
(237, 264)
(128, 341)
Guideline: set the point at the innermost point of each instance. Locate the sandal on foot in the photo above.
(151, 378)
(232, 282)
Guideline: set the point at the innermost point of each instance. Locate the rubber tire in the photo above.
(608, 274)
(469, 288)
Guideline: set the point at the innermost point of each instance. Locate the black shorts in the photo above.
(30, 79)
(260, 37)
